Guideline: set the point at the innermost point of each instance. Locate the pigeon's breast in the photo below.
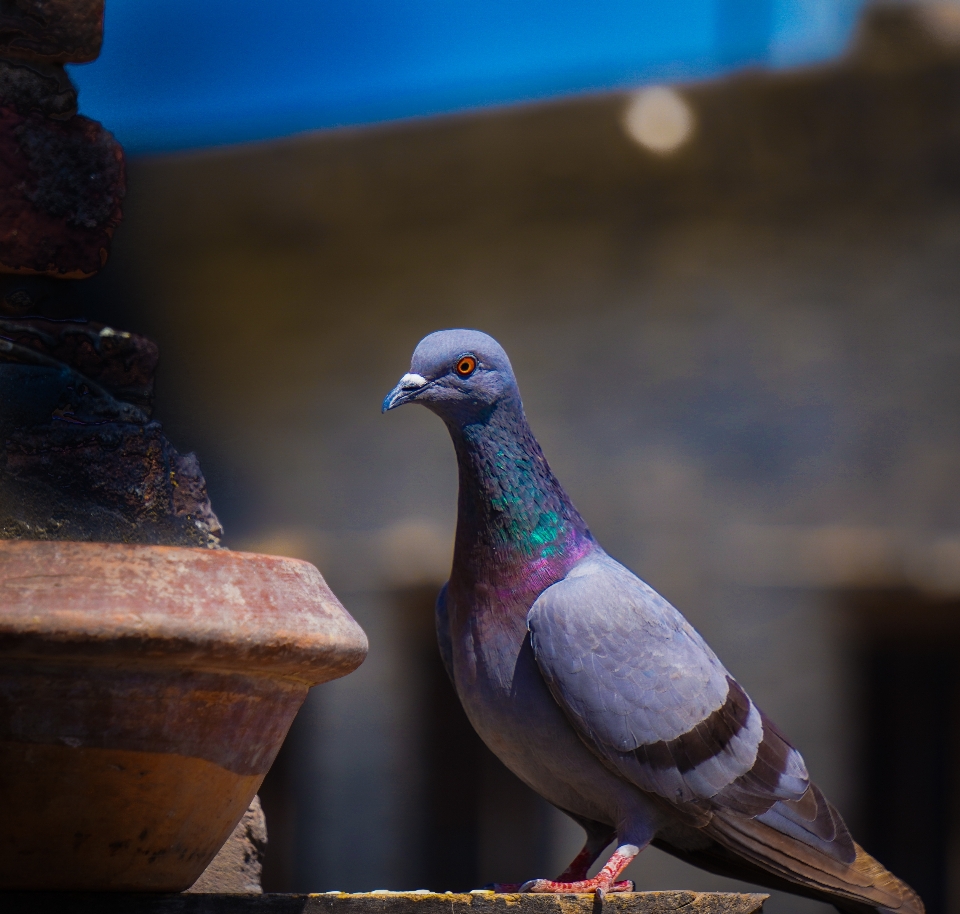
(491, 591)
(510, 707)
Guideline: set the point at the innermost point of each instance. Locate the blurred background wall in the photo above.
(732, 308)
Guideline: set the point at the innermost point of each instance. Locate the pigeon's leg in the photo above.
(604, 881)
(598, 837)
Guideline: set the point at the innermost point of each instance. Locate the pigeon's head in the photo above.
(458, 374)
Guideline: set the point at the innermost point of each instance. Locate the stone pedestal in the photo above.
(385, 903)
(80, 458)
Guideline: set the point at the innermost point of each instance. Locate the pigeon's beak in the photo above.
(408, 388)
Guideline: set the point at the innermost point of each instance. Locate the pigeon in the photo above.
(594, 690)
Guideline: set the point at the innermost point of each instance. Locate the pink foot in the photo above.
(549, 887)
(512, 887)
(604, 881)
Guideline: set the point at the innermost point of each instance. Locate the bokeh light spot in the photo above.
(659, 119)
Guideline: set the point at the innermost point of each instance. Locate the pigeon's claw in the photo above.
(605, 881)
(548, 886)
(505, 887)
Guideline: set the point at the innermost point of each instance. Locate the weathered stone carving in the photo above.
(61, 174)
(80, 456)
(57, 31)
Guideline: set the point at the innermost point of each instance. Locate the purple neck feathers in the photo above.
(516, 528)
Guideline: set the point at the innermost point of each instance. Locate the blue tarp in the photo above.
(175, 74)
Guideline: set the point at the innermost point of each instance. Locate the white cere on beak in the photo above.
(411, 381)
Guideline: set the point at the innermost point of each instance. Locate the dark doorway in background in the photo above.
(909, 661)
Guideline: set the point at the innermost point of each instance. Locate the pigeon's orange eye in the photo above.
(466, 366)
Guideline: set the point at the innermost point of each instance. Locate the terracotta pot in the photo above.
(144, 693)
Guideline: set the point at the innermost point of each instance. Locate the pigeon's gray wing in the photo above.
(649, 696)
(442, 619)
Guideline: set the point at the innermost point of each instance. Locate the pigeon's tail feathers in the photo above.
(910, 902)
(725, 862)
(811, 849)
(813, 821)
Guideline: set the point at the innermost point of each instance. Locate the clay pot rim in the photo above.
(119, 604)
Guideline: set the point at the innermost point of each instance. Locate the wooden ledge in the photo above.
(380, 903)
